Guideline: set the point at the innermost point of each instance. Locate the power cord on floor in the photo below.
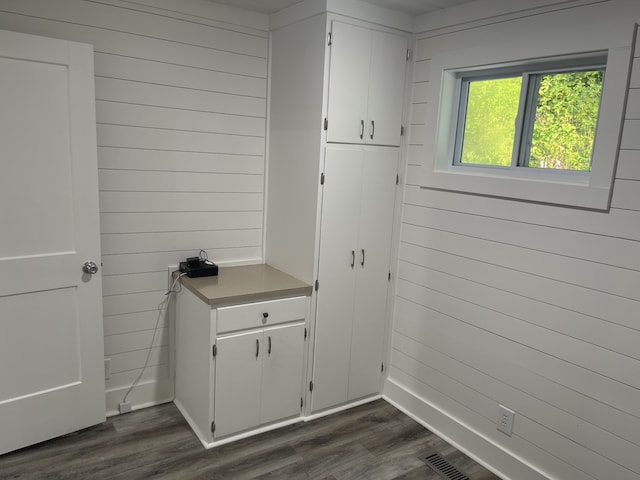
(125, 405)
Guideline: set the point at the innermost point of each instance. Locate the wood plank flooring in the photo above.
(373, 441)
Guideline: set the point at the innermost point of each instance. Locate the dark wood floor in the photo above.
(373, 441)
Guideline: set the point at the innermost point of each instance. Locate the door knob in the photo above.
(90, 268)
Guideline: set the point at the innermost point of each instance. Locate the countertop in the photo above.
(243, 284)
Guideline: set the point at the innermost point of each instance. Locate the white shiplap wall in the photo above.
(181, 106)
(531, 306)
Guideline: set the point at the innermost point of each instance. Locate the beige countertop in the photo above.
(243, 284)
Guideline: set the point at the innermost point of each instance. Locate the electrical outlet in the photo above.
(107, 368)
(505, 420)
(170, 270)
(124, 407)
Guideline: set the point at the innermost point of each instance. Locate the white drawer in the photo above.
(261, 314)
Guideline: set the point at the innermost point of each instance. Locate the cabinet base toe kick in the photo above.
(208, 439)
(239, 436)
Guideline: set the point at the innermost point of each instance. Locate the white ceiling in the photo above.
(412, 7)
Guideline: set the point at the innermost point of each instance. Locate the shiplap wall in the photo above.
(181, 105)
(532, 306)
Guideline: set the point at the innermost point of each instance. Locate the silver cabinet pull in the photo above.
(353, 258)
(269, 351)
(373, 129)
(257, 347)
(361, 129)
(362, 262)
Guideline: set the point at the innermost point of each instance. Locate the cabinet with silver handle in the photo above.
(354, 264)
(240, 367)
(258, 377)
(366, 85)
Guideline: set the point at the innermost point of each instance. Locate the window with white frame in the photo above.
(539, 116)
(545, 129)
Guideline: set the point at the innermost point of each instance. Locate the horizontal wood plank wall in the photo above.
(531, 306)
(181, 111)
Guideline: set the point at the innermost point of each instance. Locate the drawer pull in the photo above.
(257, 348)
(265, 315)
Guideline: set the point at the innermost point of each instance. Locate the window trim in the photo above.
(561, 187)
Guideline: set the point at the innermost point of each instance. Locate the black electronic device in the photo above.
(194, 267)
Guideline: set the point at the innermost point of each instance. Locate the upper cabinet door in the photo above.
(366, 86)
(386, 88)
(348, 83)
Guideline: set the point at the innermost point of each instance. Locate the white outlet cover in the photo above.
(505, 420)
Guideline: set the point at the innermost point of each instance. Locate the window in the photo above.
(544, 118)
(543, 130)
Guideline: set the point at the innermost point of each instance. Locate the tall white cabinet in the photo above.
(357, 214)
(336, 106)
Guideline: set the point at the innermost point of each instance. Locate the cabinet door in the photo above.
(386, 88)
(348, 83)
(336, 275)
(282, 372)
(237, 384)
(374, 246)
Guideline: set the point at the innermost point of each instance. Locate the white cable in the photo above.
(161, 308)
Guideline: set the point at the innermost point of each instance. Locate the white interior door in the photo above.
(51, 345)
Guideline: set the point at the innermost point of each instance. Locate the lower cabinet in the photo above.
(239, 368)
(258, 377)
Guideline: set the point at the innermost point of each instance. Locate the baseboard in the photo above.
(341, 408)
(144, 395)
(481, 449)
(194, 426)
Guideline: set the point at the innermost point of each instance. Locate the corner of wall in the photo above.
(477, 446)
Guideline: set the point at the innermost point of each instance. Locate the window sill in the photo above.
(571, 194)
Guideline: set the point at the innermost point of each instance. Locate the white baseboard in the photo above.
(341, 408)
(144, 395)
(481, 449)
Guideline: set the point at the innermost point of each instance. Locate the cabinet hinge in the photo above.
(402, 130)
(330, 39)
(322, 178)
(213, 427)
(397, 179)
(311, 386)
(326, 123)
(408, 54)
(382, 367)
(305, 333)
(317, 285)
(214, 350)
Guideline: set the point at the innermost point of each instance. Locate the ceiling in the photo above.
(412, 7)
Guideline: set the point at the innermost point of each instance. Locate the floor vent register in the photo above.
(442, 467)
